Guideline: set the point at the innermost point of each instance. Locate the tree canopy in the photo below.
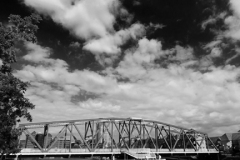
(13, 104)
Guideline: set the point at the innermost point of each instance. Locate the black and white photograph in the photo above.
(120, 79)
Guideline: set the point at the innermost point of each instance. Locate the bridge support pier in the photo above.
(16, 158)
(158, 156)
(112, 157)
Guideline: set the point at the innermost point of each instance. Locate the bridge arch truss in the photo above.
(113, 135)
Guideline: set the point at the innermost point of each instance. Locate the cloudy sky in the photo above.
(167, 60)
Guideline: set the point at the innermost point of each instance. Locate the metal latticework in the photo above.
(113, 135)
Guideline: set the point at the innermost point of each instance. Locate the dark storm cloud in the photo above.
(182, 19)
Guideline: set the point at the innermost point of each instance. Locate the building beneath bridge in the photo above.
(228, 142)
(62, 142)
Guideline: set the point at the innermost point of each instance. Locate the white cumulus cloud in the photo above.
(176, 94)
(191, 92)
(110, 44)
(234, 21)
(85, 19)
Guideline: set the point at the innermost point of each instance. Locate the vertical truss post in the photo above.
(119, 137)
(65, 137)
(70, 146)
(170, 137)
(156, 137)
(141, 145)
(145, 140)
(129, 134)
(91, 123)
(86, 130)
(206, 142)
(27, 137)
(103, 132)
(92, 134)
(194, 142)
(184, 145)
(45, 142)
(143, 127)
(111, 135)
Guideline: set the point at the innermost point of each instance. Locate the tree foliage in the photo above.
(13, 104)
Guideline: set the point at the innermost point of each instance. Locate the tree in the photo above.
(13, 104)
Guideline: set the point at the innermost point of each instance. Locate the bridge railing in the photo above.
(31, 150)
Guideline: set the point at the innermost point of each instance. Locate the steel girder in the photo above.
(118, 133)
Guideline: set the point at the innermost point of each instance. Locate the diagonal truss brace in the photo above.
(149, 136)
(56, 138)
(120, 134)
(160, 133)
(82, 138)
(32, 138)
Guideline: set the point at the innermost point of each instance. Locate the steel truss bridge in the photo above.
(134, 137)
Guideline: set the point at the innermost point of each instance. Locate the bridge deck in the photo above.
(115, 151)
